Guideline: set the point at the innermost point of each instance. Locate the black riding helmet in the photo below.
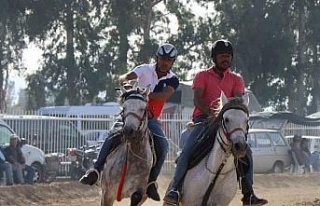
(221, 46)
(167, 50)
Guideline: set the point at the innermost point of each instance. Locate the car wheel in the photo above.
(39, 175)
(277, 167)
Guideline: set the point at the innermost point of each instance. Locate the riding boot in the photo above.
(92, 175)
(249, 198)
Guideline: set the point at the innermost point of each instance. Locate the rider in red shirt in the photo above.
(207, 87)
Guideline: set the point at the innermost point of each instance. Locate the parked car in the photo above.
(34, 156)
(270, 150)
(51, 134)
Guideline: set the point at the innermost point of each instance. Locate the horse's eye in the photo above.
(226, 120)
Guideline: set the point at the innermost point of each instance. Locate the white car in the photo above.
(34, 156)
(270, 150)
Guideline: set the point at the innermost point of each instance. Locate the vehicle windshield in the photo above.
(5, 134)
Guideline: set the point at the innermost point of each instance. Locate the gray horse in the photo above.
(126, 172)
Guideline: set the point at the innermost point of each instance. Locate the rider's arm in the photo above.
(198, 100)
(164, 95)
(128, 76)
(239, 87)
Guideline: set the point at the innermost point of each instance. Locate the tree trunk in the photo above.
(73, 82)
(301, 66)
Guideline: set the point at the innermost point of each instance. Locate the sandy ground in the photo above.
(280, 190)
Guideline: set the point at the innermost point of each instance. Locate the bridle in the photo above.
(142, 119)
(225, 131)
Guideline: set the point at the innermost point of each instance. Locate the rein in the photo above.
(142, 120)
(222, 143)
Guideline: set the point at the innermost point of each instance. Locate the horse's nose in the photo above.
(128, 131)
(240, 146)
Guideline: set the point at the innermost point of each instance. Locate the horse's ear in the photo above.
(223, 99)
(246, 99)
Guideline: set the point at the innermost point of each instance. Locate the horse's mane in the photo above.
(123, 96)
(234, 103)
(134, 92)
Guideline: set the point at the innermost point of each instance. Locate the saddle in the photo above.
(206, 142)
(203, 146)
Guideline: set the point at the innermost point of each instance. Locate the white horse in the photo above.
(127, 169)
(213, 182)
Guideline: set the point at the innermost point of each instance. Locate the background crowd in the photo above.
(13, 169)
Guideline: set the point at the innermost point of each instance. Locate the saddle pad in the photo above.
(202, 148)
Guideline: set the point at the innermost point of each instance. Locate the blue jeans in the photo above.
(187, 151)
(161, 147)
(17, 168)
(247, 180)
(30, 173)
(160, 144)
(6, 168)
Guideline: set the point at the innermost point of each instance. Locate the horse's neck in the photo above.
(218, 155)
(142, 142)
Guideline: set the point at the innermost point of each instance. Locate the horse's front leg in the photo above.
(136, 198)
(106, 200)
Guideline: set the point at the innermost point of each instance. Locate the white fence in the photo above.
(56, 134)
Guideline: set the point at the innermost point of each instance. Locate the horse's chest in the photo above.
(137, 165)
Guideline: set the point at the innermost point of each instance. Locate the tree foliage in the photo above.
(12, 42)
(87, 44)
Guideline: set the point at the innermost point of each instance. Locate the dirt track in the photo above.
(280, 190)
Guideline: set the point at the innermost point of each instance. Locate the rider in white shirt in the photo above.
(163, 83)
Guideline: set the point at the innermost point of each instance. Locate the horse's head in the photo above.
(134, 114)
(233, 120)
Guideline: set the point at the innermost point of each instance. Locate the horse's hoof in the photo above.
(136, 197)
(152, 192)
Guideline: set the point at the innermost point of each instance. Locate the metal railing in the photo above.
(56, 134)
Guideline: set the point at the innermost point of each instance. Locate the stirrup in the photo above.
(168, 200)
(91, 170)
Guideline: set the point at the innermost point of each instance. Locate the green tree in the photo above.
(272, 48)
(35, 92)
(66, 32)
(12, 43)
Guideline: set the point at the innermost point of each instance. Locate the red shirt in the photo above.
(213, 84)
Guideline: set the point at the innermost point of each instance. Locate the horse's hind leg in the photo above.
(136, 197)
